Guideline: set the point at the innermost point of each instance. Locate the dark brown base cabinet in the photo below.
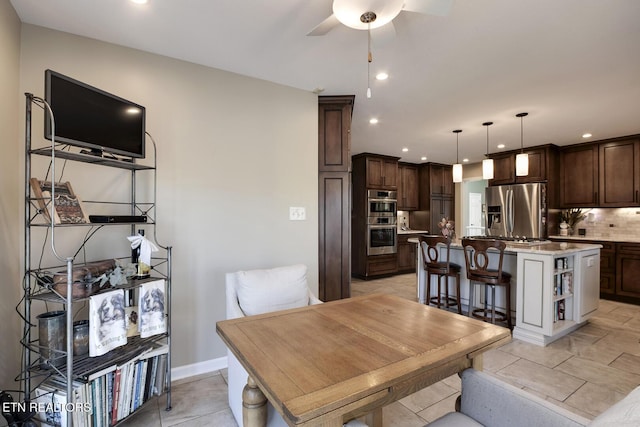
(406, 254)
(376, 266)
(607, 269)
(334, 228)
(628, 272)
(619, 270)
(334, 184)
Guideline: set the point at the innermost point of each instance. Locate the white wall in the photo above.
(234, 154)
(10, 195)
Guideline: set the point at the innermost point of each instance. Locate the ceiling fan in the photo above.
(372, 14)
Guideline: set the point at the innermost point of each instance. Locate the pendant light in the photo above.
(522, 159)
(487, 164)
(457, 168)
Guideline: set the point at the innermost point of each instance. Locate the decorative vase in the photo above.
(564, 229)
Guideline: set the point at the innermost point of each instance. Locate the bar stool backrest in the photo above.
(431, 254)
(476, 257)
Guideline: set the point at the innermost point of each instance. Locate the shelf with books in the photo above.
(107, 396)
(129, 325)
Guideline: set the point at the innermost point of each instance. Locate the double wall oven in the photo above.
(382, 238)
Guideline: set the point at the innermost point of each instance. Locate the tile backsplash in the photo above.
(609, 223)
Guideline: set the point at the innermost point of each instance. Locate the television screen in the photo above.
(88, 117)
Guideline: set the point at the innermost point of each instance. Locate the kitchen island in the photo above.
(556, 286)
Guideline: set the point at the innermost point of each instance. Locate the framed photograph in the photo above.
(68, 208)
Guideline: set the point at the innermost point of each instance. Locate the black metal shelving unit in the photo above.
(78, 368)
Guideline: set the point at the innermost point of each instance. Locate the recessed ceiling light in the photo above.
(501, 146)
(405, 149)
(139, 1)
(465, 160)
(382, 76)
(373, 121)
(423, 158)
(587, 135)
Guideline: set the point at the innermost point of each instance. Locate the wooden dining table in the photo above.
(325, 364)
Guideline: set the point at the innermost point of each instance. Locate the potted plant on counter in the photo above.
(571, 217)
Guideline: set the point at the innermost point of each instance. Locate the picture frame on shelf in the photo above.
(68, 207)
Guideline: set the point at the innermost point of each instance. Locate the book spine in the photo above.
(116, 396)
(94, 399)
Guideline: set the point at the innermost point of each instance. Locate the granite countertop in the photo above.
(410, 231)
(621, 239)
(550, 248)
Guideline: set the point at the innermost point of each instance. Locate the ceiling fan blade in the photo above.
(429, 7)
(325, 26)
(384, 34)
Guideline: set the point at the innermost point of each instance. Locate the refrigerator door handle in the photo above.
(510, 213)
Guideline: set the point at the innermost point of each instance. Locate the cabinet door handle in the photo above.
(636, 200)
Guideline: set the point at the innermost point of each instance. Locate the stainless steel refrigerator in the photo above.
(517, 210)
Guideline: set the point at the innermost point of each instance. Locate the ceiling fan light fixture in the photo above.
(349, 12)
(522, 159)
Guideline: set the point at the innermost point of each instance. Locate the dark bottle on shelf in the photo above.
(135, 253)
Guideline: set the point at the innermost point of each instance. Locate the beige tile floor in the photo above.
(585, 372)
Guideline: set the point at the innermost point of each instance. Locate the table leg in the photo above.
(254, 405)
(374, 418)
(476, 362)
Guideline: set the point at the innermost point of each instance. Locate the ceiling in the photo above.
(573, 65)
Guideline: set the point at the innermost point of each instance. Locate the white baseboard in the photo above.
(199, 368)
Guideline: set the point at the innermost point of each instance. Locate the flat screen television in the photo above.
(89, 117)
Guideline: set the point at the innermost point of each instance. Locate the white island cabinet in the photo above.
(548, 298)
(557, 290)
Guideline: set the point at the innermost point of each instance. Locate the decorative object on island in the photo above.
(447, 228)
(522, 159)
(487, 164)
(457, 168)
(570, 217)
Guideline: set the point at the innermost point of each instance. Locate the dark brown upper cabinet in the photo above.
(381, 171)
(619, 172)
(579, 176)
(334, 133)
(601, 174)
(540, 162)
(408, 199)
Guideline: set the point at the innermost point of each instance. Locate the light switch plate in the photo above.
(297, 213)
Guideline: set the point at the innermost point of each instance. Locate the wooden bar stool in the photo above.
(442, 269)
(476, 257)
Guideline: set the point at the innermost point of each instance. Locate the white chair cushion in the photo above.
(264, 291)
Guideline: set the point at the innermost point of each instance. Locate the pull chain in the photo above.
(369, 59)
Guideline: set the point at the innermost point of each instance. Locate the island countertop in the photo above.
(548, 248)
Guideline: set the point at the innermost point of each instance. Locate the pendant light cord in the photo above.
(522, 116)
(487, 124)
(457, 132)
(521, 135)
